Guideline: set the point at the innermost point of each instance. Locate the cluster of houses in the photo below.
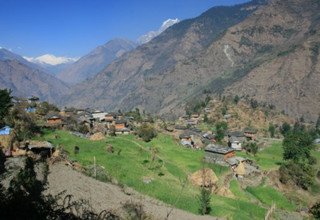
(95, 121)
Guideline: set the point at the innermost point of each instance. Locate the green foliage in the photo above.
(204, 201)
(221, 128)
(45, 107)
(268, 195)
(135, 114)
(299, 173)
(315, 210)
(285, 129)
(2, 161)
(24, 124)
(271, 130)
(318, 124)
(251, 147)
(236, 99)
(297, 146)
(5, 103)
(195, 106)
(147, 132)
(254, 103)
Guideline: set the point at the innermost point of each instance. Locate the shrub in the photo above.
(315, 210)
(300, 174)
(221, 128)
(147, 132)
(272, 130)
(204, 200)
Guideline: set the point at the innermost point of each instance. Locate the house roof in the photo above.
(235, 134)
(250, 130)
(5, 130)
(235, 160)
(218, 149)
(185, 135)
(121, 121)
(53, 117)
(234, 139)
(39, 144)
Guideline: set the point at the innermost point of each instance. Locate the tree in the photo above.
(23, 123)
(315, 210)
(236, 99)
(5, 103)
(45, 107)
(299, 173)
(285, 129)
(297, 146)
(251, 147)
(147, 132)
(254, 103)
(221, 128)
(204, 200)
(318, 124)
(272, 130)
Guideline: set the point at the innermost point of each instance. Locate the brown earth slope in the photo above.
(106, 196)
(267, 52)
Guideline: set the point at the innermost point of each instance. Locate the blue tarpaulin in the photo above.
(30, 110)
(5, 130)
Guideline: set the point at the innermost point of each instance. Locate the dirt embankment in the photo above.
(106, 196)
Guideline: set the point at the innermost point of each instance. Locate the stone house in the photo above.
(218, 154)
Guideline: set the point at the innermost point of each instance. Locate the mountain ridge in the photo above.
(92, 63)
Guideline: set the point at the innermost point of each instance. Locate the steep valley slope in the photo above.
(267, 51)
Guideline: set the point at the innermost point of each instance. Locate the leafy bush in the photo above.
(300, 174)
(251, 147)
(272, 130)
(147, 132)
(285, 129)
(297, 146)
(315, 210)
(204, 200)
(221, 128)
(5, 103)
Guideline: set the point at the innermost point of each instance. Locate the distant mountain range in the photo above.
(152, 34)
(51, 63)
(91, 64)
(26, 81)
(265, 50)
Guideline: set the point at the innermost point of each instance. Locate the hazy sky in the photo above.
(74, 27)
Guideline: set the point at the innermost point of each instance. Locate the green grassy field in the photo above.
(132, 162)
(268, 195)
(268, 158)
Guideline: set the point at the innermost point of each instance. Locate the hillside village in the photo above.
(213, 116)
(227, 135)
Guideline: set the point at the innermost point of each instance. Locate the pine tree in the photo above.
(204, 200)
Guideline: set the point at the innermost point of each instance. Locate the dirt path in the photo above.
(105, 196)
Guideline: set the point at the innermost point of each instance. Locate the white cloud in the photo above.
(51, 59)
(152, 34)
